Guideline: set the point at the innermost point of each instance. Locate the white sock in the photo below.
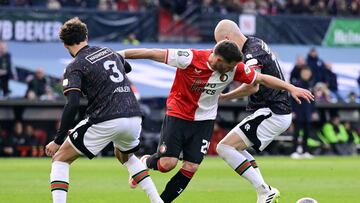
(59, 178)
(250, 158)
(140, 174)
(241, 165)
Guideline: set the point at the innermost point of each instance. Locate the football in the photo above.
(307, 200)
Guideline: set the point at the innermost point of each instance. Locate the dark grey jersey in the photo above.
(258, 54)
(98, 72)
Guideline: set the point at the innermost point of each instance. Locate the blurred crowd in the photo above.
(330, 135)
(23, 140)
(274, 7)
(262, 7)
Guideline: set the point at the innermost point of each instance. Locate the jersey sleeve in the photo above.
(245, 74)
(180, 58)
(72, 80)
(256, 60)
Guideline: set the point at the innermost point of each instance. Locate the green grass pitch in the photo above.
(327, 179)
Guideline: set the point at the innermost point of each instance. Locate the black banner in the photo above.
(280, 29)
(292, 29)
(43, 25)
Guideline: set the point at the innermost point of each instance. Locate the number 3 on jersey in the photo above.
(118, 77)
(204, 147)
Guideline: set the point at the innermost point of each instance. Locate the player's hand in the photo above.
(298, 93)
(51, 148)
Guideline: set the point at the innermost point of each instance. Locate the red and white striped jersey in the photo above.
(196, 88)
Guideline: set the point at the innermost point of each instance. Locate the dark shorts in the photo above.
(192, 138)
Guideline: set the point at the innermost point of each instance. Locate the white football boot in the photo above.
(272, 195)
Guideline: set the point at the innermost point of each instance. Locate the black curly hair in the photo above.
(73, 32)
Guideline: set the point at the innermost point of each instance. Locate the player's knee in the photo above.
(65, 154)
(60, 156)
(191, 167)
(120, 156)
(221, 149)
(168, 163)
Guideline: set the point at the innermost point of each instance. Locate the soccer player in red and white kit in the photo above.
(191, 107)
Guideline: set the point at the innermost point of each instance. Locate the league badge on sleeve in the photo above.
(183, 53)
(65, 82)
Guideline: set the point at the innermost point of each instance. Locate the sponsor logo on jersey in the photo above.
(183, 53)
(122, 89)
(200, 87)
(223, 77)
(98, 55)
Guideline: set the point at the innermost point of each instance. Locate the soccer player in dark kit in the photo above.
(112, 115)
(191, 107)
(271, 107)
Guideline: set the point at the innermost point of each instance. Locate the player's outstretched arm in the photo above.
(242, 91)
(276, 83)
(158, 55)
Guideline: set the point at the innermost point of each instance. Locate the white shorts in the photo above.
(89, 139)
(260, 128)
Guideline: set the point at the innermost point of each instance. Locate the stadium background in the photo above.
(28, 120)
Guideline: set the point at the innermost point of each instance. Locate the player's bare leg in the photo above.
(59, 176)
(162, 164)
(179, 181)
(231, 149)
(140, 175)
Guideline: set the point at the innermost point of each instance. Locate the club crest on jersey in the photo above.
(183, 53)
(162, 148)
(223, 77)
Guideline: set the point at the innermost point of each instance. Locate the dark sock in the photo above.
(176, 185)
(152, 161)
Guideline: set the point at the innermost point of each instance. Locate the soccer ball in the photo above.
(306, 200)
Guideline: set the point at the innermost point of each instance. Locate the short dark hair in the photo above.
(229, 50)
(73, 32)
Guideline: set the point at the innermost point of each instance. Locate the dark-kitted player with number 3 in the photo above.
(112, 115)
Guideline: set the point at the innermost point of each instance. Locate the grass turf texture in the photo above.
(327, 179)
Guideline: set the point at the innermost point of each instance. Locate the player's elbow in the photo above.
(158, 55)
(254, 89)
(260, 78)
